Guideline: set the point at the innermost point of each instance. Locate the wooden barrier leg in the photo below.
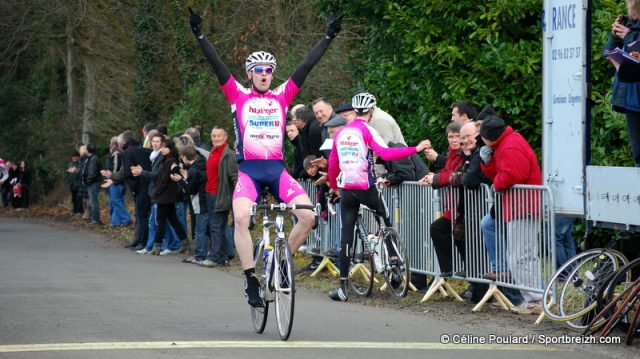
(543, 315)
(328, 265)
(433, 288)
(493, 292)
(452, 292)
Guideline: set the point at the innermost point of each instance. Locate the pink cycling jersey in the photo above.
(259, 119)
(351, 163)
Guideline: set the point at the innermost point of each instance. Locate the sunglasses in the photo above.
(263, 69)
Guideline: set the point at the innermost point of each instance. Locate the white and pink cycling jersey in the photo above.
(351, 160)
(260, 119)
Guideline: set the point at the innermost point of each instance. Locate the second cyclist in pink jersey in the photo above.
(351, 173)
(260, 122)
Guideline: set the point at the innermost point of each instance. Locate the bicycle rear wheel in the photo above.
(566, 275)
(361, 270)
(259, 314)
(284, 287)
(396, 262)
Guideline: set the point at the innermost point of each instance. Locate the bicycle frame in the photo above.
(278, 225)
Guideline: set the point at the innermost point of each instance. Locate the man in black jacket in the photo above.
(135, 155)
(310, 137)
(91, 178)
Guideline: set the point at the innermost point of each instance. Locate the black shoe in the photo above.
(331, 253)
(465, 294)
(446, 274)
(315, 263)
(339, 294)
(252, 292)
(461, 273)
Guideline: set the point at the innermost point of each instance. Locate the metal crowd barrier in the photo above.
(524, 227)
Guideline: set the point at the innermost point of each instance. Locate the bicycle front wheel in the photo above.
(259, 314)
(361, 270)
(284, 287)
(396, 262)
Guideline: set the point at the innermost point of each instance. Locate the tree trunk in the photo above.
(90, 71)
(73, 97)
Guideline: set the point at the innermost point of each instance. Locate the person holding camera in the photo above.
(625, 96)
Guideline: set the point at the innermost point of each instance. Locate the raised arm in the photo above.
(222, 72)
(304, 68)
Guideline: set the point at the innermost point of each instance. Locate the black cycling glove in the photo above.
(334, 25)
(195, 20)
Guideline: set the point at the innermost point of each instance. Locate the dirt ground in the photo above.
(492, 320)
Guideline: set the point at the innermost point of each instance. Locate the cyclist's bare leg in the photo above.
(306, 219)
(242, 235)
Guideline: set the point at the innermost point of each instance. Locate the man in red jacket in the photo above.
(508, 159)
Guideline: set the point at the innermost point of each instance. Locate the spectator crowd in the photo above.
(169, 176)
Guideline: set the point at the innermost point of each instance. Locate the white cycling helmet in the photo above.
(260, 57)
(363, 102)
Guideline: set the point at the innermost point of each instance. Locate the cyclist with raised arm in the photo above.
(259, 121)
(351, 172)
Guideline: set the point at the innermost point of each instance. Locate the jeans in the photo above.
(93, 190)
(488, 226)
(633, 125)
(169, 235)
(565, 245)
(217, 232)
(231, 245)
(171, 240)
(201, 236)
(118, 213)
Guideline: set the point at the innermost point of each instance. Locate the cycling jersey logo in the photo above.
(264, 123)
(263, 111)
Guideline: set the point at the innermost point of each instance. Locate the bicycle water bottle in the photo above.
(374, 244)
(267, 252)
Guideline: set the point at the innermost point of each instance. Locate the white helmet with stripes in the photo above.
(260, 57)
(363, 102)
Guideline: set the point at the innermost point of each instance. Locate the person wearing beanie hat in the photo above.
(492, 127)
(508, 160)
(486, 112)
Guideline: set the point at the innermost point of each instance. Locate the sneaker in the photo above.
(530, 308)
(143, 251)
(252, 291)
(339, 294)
(165, 252)
(208, 263)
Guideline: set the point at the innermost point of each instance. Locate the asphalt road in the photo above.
(66, 293)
